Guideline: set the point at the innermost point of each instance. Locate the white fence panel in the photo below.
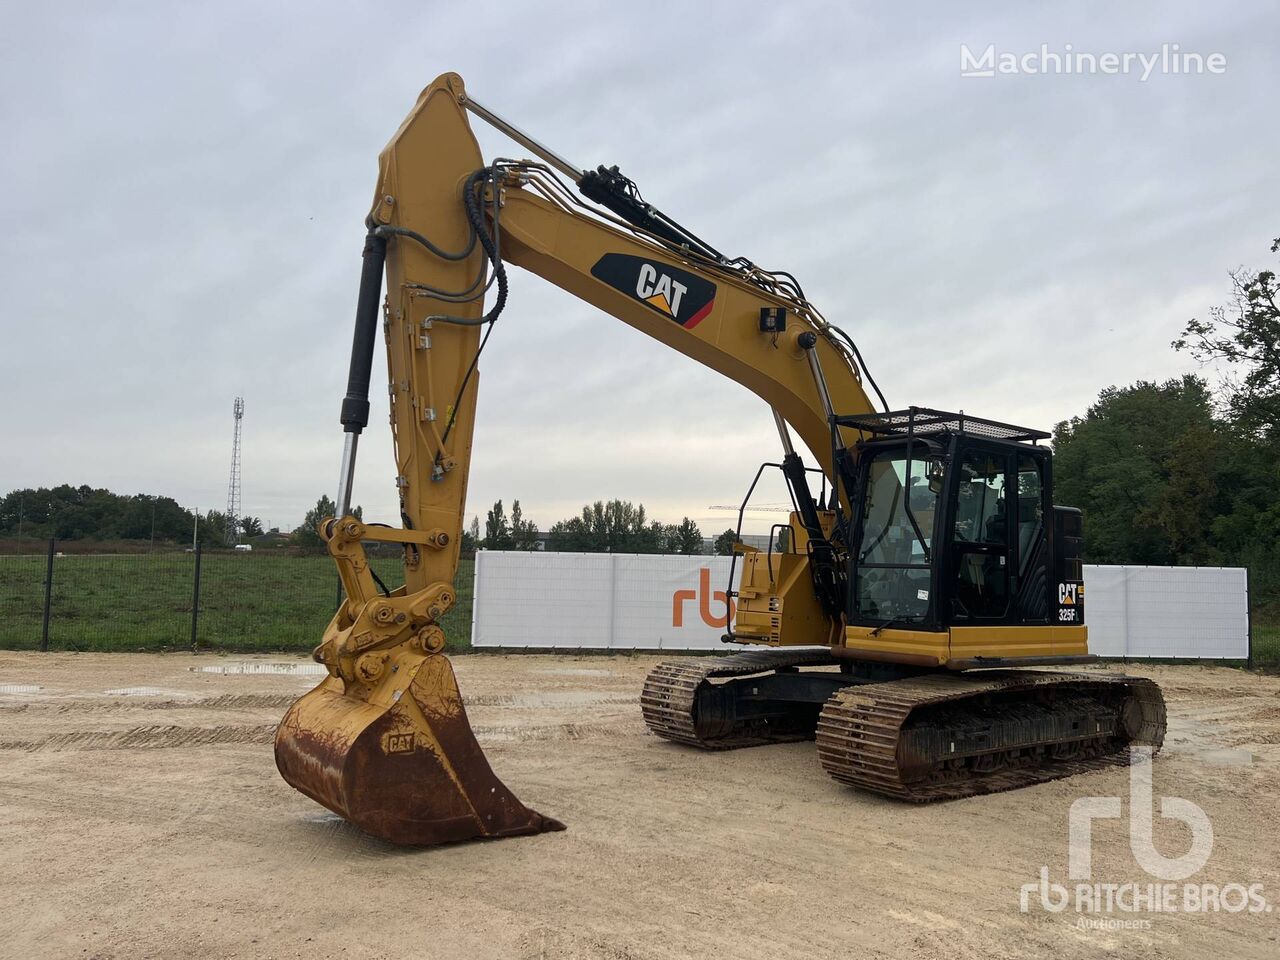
(1167, 612)
(1105, 610)
(599, 601)
(604, 601)
(541, 600)
(669, 603)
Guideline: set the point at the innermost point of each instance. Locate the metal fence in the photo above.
(601, 601)
(201, 600)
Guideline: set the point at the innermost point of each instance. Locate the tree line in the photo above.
(612, 526)
(86, 513)
(69, 512)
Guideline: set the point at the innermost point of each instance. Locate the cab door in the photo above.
(1031, 536)
(982, 556)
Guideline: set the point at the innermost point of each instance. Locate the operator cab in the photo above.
(954, 525)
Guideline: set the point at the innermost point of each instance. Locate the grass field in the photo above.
(143, 601)
(1266, 647)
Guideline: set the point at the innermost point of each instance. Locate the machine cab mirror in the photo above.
(936, 473)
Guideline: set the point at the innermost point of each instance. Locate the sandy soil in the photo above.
(141, 816)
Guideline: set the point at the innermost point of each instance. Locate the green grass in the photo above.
(143, 601)
(1266, 647)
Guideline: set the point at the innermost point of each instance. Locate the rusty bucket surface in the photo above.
(399, 760)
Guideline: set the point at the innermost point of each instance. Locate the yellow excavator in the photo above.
(894, 621)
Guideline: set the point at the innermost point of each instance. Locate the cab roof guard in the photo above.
(921, 422)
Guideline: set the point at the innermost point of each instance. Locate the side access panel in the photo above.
(777, 604)
(923, 648)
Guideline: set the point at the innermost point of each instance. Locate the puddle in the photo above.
(16, 688)
(251, 666)
(578, 672)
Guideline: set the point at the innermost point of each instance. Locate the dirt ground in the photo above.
(141, 815)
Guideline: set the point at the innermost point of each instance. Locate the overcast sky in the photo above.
(183, 188)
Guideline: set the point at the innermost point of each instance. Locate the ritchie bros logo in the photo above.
(1137, 901)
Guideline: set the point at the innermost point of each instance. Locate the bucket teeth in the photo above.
(408, 770)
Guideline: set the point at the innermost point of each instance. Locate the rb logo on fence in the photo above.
(704, 596)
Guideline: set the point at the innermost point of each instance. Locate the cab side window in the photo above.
(1030, 508)
(980, 513)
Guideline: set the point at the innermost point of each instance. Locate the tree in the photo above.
(471, 538)
(1145, 464)
(524, 533)
(213, 528)
(251, 526)
(616, 526)
(307, 536)
(497, 532)
(688, 538)
(664, 538)
(725, 542)
(1162, 479)
(1246, 336)
(619, 526)
(75, 513)
(571, 536)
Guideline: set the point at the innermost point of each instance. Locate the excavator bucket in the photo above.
(402, 764)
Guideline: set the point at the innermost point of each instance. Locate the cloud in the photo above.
(184, 188)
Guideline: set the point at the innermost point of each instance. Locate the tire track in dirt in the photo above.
(566, 700)
(560, 731)
(98, 706)
(240, 701)
(282, 701)
(152, 737)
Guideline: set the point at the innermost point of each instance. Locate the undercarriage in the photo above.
(923, 737)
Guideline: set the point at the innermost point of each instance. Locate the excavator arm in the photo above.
(384, 739)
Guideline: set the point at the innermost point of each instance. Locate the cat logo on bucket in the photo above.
(397, 743)
(676, 294)
(704, 596)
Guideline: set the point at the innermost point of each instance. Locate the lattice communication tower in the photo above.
(233, 485)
